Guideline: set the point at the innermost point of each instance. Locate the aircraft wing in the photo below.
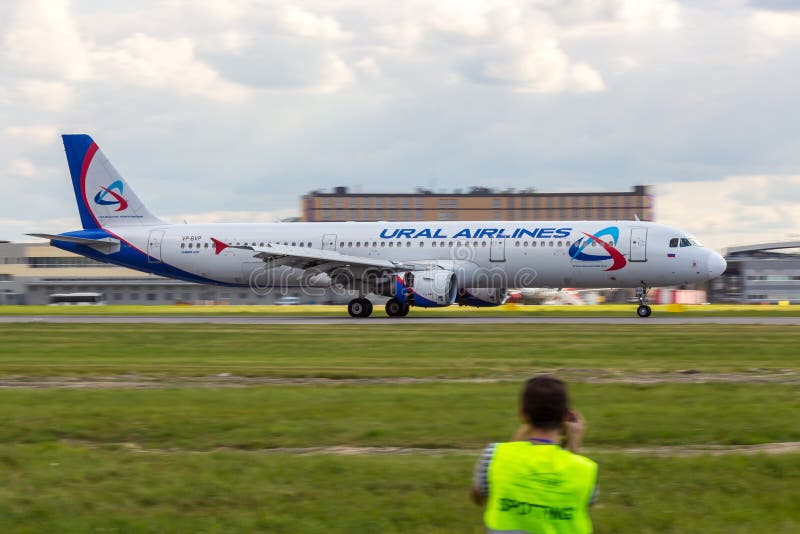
(275, 255)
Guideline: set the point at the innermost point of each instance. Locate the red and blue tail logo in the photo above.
(115, 191)
(576, 251)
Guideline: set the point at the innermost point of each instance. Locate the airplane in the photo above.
(420, 264)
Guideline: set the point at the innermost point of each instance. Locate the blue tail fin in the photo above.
(104, 198)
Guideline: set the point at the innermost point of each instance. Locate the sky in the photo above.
(230, 111)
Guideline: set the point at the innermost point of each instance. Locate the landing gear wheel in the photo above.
(406, 307)
(359, 307)
(395, 309)
(641, 293)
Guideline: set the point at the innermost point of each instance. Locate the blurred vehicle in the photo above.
(76, 299)
(288, 301)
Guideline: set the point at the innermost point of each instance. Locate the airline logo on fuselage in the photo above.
(115, 192)
(476, 233)
(578, 249)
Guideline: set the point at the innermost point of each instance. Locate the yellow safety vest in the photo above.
(539, 489)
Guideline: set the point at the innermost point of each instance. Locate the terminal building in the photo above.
(33, 273)
(762, 273)
(477, 204)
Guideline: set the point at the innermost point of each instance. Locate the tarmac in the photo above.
(382, 320)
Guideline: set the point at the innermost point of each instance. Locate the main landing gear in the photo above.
(643, 310)
(394, 308)
(359, 307)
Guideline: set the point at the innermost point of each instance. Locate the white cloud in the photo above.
(334, 75)
(538, 66)
(42, 40)
(304, 23)
(46, 95)
(145, 61)
(37, 135)
(21, 167)
(776, 24)
(368, 66)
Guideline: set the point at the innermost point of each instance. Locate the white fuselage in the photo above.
(482, 253)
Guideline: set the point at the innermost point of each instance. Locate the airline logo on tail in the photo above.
(115, 191)
(576, 251)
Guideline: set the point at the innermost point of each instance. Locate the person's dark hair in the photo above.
(545, 402)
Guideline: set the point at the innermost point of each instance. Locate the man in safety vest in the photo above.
(531, 484)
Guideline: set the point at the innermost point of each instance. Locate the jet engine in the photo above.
(482, 297)
(432, 288)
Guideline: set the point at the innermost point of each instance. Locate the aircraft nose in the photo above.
(716, 265)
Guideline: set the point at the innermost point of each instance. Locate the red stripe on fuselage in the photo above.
(616, 255)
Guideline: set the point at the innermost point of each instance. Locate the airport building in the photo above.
(762, 273)
(34, 273)
(477, 204)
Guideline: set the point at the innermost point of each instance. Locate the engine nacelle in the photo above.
(431, 289)
(482, 297)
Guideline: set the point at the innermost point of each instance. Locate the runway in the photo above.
(326, 320)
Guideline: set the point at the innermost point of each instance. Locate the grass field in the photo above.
(216, 428)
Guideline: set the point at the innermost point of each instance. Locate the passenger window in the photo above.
(391, 244)
(341, 245)
(302, 244)
(383, 243)
(350, 244)
(309, 244)
(408, 244)
(433, 243)
(516, 244)
(358, 244)
(685, 242)
(551, 243)
(183, 245)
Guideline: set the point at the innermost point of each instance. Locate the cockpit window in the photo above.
(685, 242)
(673, 242)
(695, 242)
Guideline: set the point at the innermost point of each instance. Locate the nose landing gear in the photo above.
(643, 310)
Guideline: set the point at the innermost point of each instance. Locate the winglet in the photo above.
(219, 246)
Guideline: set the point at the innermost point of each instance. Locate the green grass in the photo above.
(60, 488)
(191, 457)
(387, 350)
(428, 415)
(509, 310)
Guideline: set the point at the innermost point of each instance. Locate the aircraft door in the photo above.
(329, 242)
(154, 246)
(497, 252)
(638, 244)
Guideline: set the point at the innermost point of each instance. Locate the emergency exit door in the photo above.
(154, 246)
(329, 242)
(638, 244)
(497, 252)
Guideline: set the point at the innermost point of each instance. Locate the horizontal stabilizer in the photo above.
(106, 245)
